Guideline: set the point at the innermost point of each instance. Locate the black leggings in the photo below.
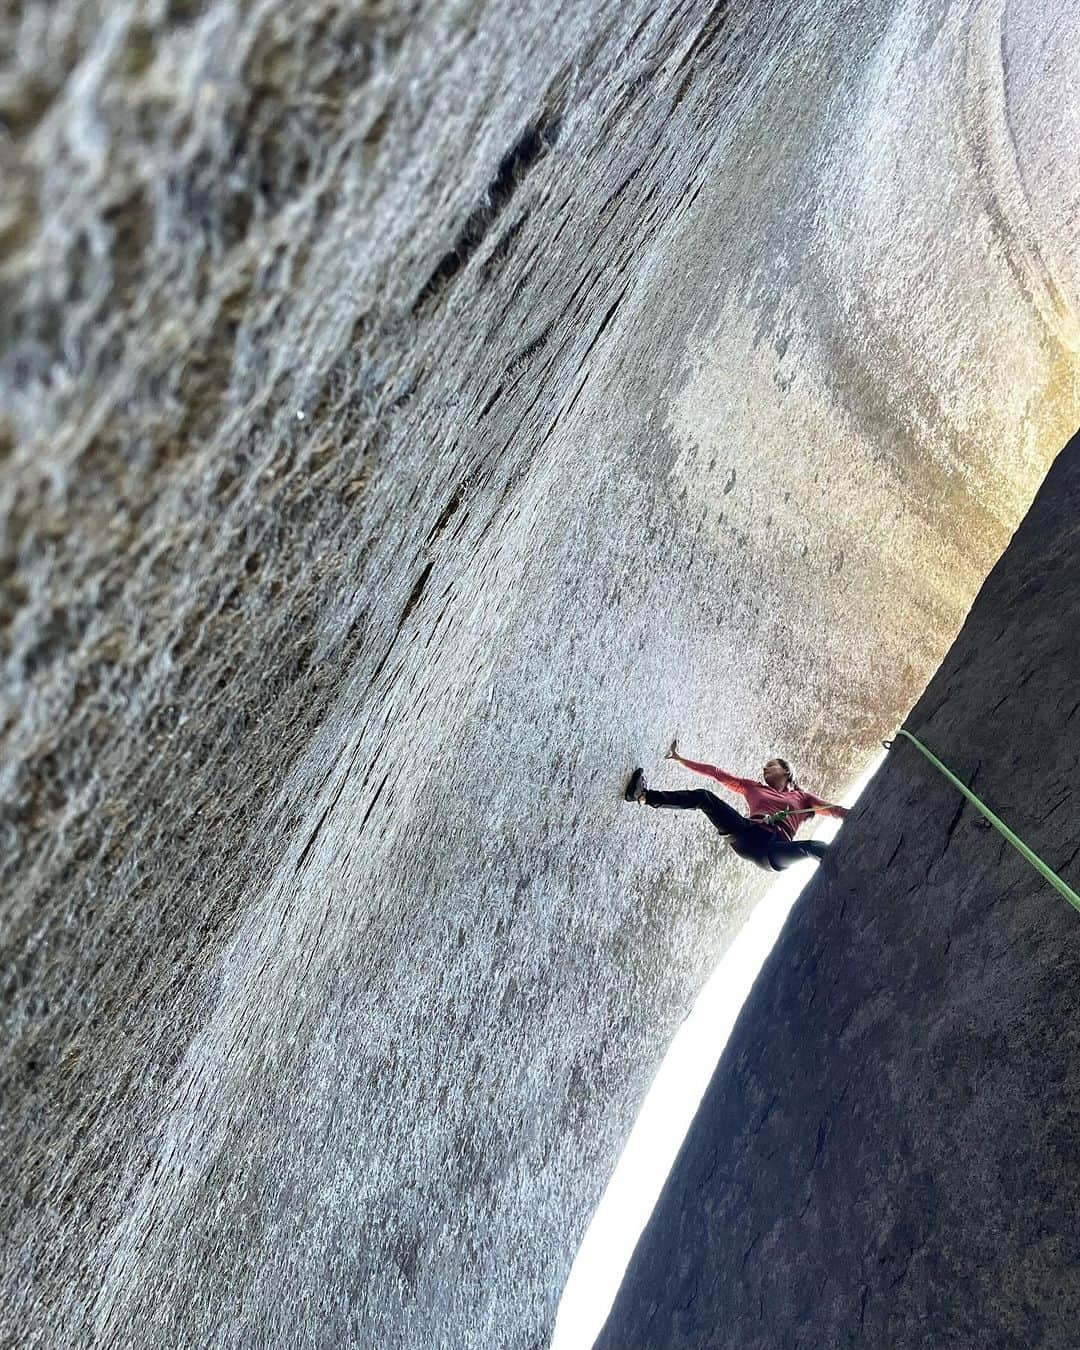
(757, 843)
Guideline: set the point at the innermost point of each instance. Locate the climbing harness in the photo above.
(777, 816)
(998, 824)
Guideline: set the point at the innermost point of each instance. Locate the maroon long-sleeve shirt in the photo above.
(764, 800)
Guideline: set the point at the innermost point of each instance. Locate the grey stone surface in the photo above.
(411, 414)
(887, 1152)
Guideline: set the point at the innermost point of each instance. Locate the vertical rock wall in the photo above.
(411, 414)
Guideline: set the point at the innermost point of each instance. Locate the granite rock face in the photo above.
(887, 1152)
(413, 413)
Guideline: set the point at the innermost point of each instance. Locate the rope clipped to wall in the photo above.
(998, 824)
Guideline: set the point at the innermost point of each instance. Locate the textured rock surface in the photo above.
(411, 414)
(887, 1152)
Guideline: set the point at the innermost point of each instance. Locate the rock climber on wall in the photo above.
(778, 806)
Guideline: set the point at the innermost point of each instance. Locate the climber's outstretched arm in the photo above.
(824, 808)
(729, 780)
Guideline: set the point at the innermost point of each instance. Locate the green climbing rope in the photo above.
(998, 824)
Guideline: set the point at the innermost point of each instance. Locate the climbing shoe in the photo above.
(635, 787)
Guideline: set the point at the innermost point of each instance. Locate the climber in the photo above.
(778, 807)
